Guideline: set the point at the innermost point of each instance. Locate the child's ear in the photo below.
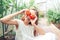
(23, 18)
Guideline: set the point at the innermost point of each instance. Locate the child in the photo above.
(25, 27)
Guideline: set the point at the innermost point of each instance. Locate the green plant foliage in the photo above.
(31, 3)
(6, 4)
(1, 10)
(24, 5)
(53, 16)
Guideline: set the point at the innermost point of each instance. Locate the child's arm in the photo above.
(39, 30)
(8, 19)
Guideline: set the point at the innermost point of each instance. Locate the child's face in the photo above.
(26, 19)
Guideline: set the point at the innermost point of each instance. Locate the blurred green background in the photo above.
(48, 9)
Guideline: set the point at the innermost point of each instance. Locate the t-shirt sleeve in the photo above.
(18, 21)
(20, 24)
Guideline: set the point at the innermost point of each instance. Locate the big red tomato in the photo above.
(31, 16)
(27, 12)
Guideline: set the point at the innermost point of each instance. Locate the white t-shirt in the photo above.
(24, 32)
(27, 33)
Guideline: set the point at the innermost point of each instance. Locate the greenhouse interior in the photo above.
(45, 27)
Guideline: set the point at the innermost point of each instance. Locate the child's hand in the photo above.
(33, 21)
(22, 11)
(27, 12)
